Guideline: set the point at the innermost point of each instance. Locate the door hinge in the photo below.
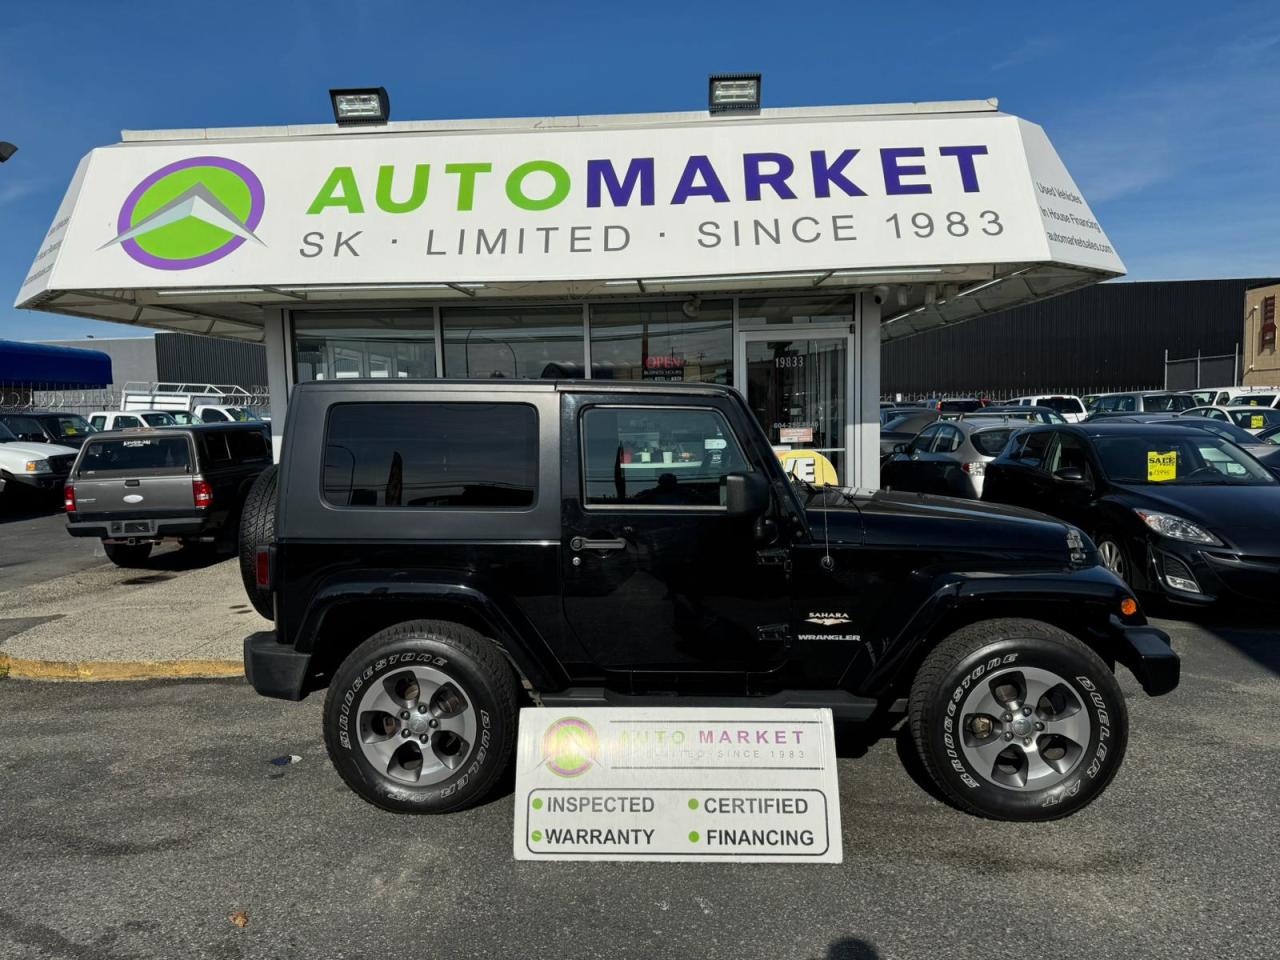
(774, 557)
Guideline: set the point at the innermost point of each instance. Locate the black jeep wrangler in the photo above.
(433, 552)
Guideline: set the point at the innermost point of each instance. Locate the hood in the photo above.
(912, 520)
(1246, 516)
(35, 451)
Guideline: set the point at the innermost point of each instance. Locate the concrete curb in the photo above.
(17, 668)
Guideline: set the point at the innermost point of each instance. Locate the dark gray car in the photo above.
(949, 458)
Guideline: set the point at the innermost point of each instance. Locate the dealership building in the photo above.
(771, 250)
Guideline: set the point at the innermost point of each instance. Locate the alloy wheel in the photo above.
(1112, 557)
(1024, 728)
(416, 726)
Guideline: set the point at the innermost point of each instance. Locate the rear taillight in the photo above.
(203, 493)
(69, 498)
(263, 568)
(975, 468)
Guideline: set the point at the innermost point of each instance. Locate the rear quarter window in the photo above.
(465, 456)
(989, 443)
(151, 455)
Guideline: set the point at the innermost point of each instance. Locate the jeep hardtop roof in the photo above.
(513, 386)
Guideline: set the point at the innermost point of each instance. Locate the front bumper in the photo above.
(1222, 574)
(1145, 650)
(41, 481)
(275, 669)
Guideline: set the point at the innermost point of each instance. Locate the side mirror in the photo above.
(900, 448)
(1070, 475)
(745, 494)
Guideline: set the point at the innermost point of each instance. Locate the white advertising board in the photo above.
(737, 197)
(695, 784)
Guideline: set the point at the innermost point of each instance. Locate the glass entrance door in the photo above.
(797, 384)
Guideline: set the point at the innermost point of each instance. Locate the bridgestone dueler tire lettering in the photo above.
(962, 660)
(464, 655)
(258, 528)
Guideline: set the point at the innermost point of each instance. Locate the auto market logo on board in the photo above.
(570, 747)
(190, 213)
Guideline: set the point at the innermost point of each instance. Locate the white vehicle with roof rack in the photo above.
(1067, 405)
(198, 402)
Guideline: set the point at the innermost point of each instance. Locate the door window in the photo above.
(1070, 453)
(126, 423)
(949, 440)
(657, 457)
(209, 415)
(1034, 447)
(923, 442)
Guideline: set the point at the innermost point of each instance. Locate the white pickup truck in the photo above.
(192, 402)
(37, 467)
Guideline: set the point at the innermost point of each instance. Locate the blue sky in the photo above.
(1165, 113)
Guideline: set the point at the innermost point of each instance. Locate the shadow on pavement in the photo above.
(15, 508)
(1251, 631)
(851, 948)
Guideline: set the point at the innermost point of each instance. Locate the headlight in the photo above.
(38, 466)
(1176, 528)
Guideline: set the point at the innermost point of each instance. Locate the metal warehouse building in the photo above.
(1111, 336)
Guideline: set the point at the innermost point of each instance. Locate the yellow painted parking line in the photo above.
(17, 668)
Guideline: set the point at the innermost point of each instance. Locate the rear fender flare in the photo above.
(519, 642)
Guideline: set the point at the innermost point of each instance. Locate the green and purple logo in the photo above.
(190, 213)
(570, 746)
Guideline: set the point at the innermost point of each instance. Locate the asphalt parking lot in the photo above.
(138, 818)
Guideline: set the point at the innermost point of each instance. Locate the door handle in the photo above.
(581, 543)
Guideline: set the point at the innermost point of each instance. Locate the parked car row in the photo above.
(1185, 508)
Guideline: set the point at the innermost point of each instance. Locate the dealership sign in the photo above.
(650, 783)
(716, 198)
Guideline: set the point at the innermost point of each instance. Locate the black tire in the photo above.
(993, 650)
(258, 528)
(128, 555)
(468, 660)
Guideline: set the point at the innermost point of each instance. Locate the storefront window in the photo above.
(339, 345)
(763, 311)
(662, 341)
(513, 342)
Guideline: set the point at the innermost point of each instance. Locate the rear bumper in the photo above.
(1148, 655)
(274, 669)
(114, 529)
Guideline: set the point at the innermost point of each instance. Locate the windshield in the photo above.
(158, 454)
(1228, 431)
(1061, 404)
(906, 423)
(182, 417)
(1254, 400)
(989, 443)
(159, 419)
(1178, 460)
(1157, 402)
(1258, 419)
(67, 425)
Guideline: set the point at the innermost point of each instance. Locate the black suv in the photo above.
(437, 551)
(133, 489)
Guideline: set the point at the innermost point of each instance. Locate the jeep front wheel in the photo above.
(1018, 720)
(421, 717)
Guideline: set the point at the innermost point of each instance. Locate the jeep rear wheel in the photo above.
(1018, 720)
(421, 718)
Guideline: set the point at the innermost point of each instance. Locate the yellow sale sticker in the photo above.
(1255, 422)
(1162, 466)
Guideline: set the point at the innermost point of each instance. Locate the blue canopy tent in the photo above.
(48, 367)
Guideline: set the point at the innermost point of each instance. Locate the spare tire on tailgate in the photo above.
(258, 528)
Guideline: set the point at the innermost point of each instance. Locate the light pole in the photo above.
(7, 150)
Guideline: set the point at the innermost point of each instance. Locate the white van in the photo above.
(1069, 407)
(1247, 397)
